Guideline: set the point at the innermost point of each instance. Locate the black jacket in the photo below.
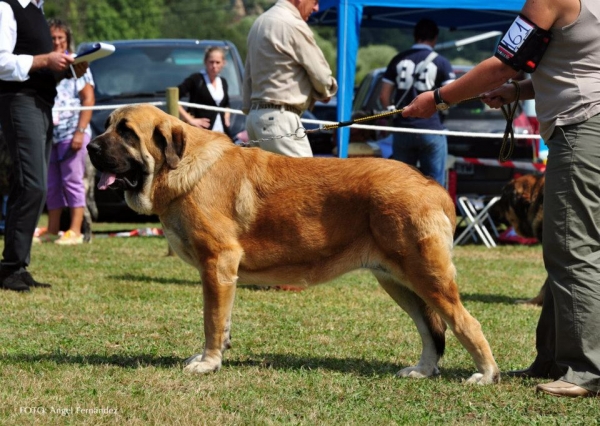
(195, 87)
(33, 38)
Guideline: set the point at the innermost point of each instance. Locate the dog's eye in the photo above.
(128, 135)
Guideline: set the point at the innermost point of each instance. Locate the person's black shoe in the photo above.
(13, 282)
(545, 369)
(28, 279)
(528, 373)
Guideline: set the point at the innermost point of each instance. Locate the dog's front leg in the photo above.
(218, 285)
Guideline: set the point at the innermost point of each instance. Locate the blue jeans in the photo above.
(430, 151)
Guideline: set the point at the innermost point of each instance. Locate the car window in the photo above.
(367, 95)
(139, 70)
(363, 92)
(325, 112)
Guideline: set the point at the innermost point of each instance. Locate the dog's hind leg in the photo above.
(219, 279)
(422, 261)
(436, 286)
(429, 324)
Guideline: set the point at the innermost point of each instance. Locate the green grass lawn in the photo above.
(106, 346)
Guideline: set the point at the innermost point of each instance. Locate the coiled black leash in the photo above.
(509, 110)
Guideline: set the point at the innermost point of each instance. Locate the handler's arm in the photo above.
(304, 49)
(492, 73)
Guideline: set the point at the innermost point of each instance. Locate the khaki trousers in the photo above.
(571, 242)
(272, 127)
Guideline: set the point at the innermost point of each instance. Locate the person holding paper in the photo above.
(207, 88)
(29, 71)
(71, 135)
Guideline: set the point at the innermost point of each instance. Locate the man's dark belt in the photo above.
(270, 105)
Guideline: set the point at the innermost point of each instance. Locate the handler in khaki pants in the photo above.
(285, 74)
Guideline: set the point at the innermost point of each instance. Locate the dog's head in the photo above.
(138, 140)
(153, 156)
(519, 203)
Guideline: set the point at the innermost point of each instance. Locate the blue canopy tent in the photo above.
(349, 15)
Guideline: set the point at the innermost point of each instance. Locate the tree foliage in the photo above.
(125, 19)
(371, 57)
(110, 19)
(230, 20)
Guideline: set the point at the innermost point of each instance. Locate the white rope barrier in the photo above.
(104, 107)
(310, 121)
(372, 127)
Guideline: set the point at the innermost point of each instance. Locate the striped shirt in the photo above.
(65, 122)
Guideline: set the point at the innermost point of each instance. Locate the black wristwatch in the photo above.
(440, 104)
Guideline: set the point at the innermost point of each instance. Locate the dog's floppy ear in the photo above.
(171, 140)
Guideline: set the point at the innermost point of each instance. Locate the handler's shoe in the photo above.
(69, 238)
(530, 373)
(10, 280)
(31, 282)
(562, 388)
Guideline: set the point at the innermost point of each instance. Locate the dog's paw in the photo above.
(418, 372)
(195, 364)
(483, 379)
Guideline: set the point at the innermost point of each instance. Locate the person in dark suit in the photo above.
(207, 88)
(29, 71)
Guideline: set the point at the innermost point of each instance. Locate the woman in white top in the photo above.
(207, 88)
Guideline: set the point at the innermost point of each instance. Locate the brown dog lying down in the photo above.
(522, 205)
(243, 215)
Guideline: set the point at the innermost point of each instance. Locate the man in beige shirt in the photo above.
(285, 73)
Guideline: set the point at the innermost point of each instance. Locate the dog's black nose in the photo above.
(93, 148)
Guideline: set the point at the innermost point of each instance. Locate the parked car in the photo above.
(472, 116)
(141, 71)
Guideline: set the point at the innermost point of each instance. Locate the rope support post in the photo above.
(172, 95)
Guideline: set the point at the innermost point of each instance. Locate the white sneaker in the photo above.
(69, 238)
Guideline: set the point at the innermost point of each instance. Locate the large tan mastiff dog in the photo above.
(243, 215)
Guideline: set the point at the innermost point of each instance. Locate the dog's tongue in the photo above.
(106, 180)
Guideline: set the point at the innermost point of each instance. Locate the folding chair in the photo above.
(475, 213)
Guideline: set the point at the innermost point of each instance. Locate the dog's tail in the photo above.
(437, 328)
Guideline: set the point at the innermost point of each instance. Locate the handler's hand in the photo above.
(503, 95)
(423, 106)
(200, 122)
(58, 61)
(77, 141)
